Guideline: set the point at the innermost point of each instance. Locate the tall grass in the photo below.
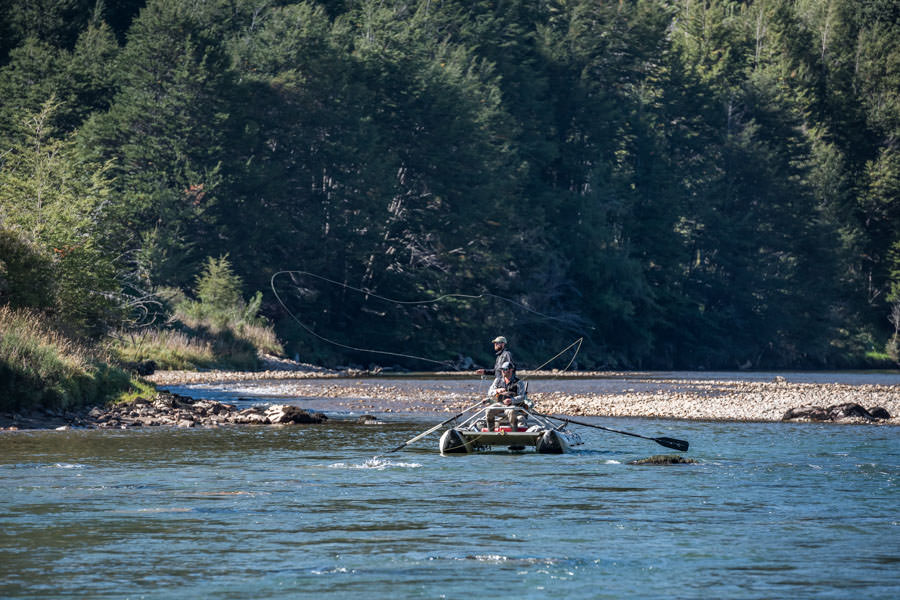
(199, 343)
(39, 368)
(169, 349)
(219, 329)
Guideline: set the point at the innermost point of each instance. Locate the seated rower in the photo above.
(505, 393)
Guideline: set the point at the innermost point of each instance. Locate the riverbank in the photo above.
(163, 410)
(708, 399)
(652, 396)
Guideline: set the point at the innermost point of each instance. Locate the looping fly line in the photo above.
(447, 363)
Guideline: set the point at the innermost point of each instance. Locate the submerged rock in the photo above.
(664, 459)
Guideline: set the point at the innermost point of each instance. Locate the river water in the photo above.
(771, 510)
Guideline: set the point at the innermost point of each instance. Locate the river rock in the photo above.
(664, 459)
(812, 413)
(837, 412)
(848, 410)
(172, 410)
(250, 416)
(286, 413)
(880, 413)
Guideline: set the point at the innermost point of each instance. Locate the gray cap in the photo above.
(499, 340)
(507, 365)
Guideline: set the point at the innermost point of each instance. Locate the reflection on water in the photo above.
(770, 510)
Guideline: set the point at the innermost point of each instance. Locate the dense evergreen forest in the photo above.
(685, 184)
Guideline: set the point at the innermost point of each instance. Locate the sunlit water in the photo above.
(771, 511)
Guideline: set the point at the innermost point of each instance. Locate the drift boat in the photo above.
(527, 431)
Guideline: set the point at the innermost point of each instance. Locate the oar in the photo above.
(433, 429)
(680, 445)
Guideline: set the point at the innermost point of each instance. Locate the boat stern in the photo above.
(452, 442)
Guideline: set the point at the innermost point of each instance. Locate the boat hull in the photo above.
(452, 442)
(544, 441)
(552, 442)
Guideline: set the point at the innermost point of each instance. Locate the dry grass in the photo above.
(41, 368)
(25, 337)
(169, 349)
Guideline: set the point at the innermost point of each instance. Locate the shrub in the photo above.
(26, 273)
(218, 329)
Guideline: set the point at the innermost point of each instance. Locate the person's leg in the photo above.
(491, 413)
(513, 416)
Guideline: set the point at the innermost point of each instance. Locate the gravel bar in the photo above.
(696, 399)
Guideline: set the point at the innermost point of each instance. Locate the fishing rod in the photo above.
(674, 444)
(446, 363)
(577, 343)
(310, 331)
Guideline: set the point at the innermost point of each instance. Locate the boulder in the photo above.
(286, 413)
(879, 412)
(142, 368)
(812, 413)
(836, 412)
(250, 416)
(664, 459)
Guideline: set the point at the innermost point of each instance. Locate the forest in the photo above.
(685, 184)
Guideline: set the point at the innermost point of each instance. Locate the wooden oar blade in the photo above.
(680, 445)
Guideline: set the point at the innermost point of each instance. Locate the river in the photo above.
(770, 510)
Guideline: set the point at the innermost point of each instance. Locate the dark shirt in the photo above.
(512, 387)
(502, 357)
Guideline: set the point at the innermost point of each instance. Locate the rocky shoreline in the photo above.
(165, 410)
(687, 399)
(757, 401)
(684, 399)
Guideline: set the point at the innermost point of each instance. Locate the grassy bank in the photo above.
(196, 344)
(41, 369)
(216, 329)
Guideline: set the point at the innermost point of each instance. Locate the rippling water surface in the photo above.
(771, 510)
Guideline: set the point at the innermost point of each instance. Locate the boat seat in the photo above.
(506, 428)
(503, 424)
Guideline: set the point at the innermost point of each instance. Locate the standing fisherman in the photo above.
(503, 356)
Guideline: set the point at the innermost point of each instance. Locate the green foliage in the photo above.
(219, 329)
(693, 184)
(168, 349)
(26, 273)
(218, 288)
(41, 368)
(53, 202)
